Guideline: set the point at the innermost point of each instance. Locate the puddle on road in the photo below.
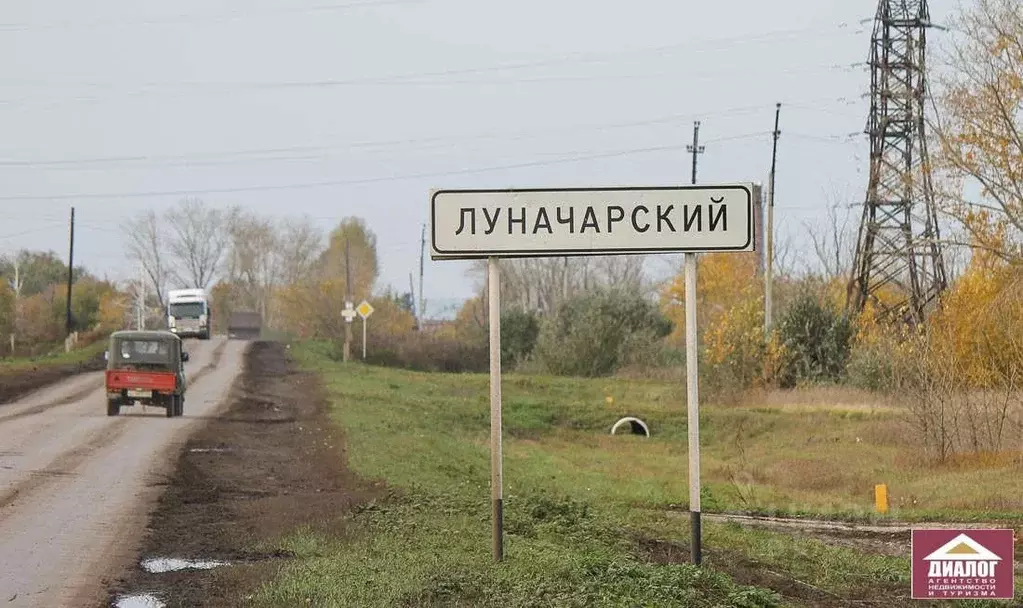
(143, 600)
(159, 565)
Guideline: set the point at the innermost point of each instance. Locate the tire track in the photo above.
(218, 354)
(64, 465)
(69, 462)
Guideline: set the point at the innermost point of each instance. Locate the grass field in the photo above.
(599, 520)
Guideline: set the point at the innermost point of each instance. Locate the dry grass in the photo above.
(821, 398)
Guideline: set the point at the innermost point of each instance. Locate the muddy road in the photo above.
(271, 461)
(77, 486)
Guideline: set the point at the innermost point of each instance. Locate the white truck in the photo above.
(190, 313)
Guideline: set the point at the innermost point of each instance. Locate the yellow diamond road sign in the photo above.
(364, 309)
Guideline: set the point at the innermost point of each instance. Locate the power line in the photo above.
(328, 86)
(381, 144)
(371, 180)
(431, 79)
(186, 19)
(569, 59)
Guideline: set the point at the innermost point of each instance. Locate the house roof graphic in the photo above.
(963, 548)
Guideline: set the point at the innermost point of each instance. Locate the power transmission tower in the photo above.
(695, 149)
(898, 263)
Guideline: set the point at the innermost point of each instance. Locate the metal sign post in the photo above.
(693, 407)
(496, 462)
(491, 224)
(364, 310)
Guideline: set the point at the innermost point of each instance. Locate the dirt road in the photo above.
(76, 486)
(270, 462)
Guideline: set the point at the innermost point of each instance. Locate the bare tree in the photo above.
(833, 240)
(252, 261)
(542, 284)
(785, 257)
(622, 272)
(264, 254)
(147, 246)
(198, 241)
(299, 247)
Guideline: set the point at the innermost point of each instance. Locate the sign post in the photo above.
(693, 407)
(491, 224)
(364, 310)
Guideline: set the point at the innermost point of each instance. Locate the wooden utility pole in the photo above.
(769, 232)
(69, 322)
(422, 256)
(412, 294)
(348, 299)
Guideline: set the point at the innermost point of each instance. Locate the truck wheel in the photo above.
(172, 406)
(113, 407)
(180, 401)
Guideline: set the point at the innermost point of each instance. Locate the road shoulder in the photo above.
(18, 381)
(270, 463)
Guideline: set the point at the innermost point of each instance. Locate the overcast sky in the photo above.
(330, 108)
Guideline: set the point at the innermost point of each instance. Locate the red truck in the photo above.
(145, 367)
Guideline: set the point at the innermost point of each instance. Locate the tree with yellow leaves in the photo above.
(312, 307)
(730, 315)
(980, 128)
(724, 281)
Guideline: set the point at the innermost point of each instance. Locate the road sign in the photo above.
(348, 314)
(469, 224)
(364, 309)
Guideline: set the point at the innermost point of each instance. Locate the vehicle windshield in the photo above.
(186, 310)
(142, 353)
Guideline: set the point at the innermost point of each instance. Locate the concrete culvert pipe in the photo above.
(637, 426)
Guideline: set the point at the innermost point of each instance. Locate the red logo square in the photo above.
(963, 564)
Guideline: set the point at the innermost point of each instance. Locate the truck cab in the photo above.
(146, 367)
(189, 313)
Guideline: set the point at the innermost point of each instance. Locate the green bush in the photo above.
(519, 332)
(870, 367)
(816, 341)
(595, 334)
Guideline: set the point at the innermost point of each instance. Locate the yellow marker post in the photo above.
(881, 497)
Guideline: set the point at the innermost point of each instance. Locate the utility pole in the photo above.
(412, 295)
(422, 256)
(70, 272)
(17, 301)
(769, 233)
(348, 298)
(696, 148)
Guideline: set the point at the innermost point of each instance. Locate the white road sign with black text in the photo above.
(591, 221)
